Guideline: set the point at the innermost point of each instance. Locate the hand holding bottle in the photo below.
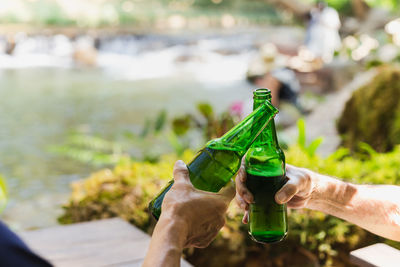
(296, 193)
(190, 218)
(200, 214)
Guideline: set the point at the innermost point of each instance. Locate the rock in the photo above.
(372, 115)
(85, 53)
(85, 57)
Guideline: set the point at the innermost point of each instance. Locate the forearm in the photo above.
(166, 244)
(375, 208)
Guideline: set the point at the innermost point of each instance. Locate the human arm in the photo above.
(189, 218)
(375, 208)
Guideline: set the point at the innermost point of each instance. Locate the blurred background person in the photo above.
(322, 36)
(269, 70)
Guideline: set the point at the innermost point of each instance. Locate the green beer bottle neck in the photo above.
(265, 156)
(241, 137)
(268, 135)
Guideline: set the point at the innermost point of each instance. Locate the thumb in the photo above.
(229, 191)
(181, 173)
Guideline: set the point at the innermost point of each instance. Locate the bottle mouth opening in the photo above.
(262, 93)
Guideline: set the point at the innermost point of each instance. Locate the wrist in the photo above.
(167, 243)
(330, 194)
(174, 228)
(323, 191)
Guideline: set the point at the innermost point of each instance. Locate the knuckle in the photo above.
(307, 179)
(291, 188)
(242, 191)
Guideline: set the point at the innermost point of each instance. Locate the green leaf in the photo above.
(181, 125)
(160, 121)
(174, 141)
(205, 109)
(301, 140)
(90, 142)
(146, 128)
(339, 154)
(367, 148)
(3, 193)
(312, 148)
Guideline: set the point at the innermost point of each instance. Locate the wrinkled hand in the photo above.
(297, 192)
(201, 214)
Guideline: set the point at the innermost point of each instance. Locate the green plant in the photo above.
(90, 149)
(122, 191)
(3, 193)
(156, 133)
(213, 125)
(302, 140)
(126, 190)
(98, 151)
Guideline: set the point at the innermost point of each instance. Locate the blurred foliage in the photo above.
(153, 12)
(301, 140)
(90, 149)
(372, 115)
(123, 191)
(98, 151)
(314, 237)
(373, 49)
(140, 13)
(388, 4)
(3, 193)
(213, 125)
(161, 134)
(345, 6)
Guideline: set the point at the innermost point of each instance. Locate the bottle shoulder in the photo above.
(265, 162)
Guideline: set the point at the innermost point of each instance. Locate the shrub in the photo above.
(126, 190)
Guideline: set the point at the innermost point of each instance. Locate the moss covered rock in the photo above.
(372, 115)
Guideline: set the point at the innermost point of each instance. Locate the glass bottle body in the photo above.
(265, 169)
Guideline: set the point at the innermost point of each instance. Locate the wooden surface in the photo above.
(110, 242)
(380, 255)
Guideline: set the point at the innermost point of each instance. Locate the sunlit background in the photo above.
(86, 84)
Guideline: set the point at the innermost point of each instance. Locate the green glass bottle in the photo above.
(215, 164)
(265, 169)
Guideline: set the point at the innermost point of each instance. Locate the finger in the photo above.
(241, 188)
(181, 173)
(241, 176)
(245, 219)
(290, 189)
(229, 191)
(241, 203)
